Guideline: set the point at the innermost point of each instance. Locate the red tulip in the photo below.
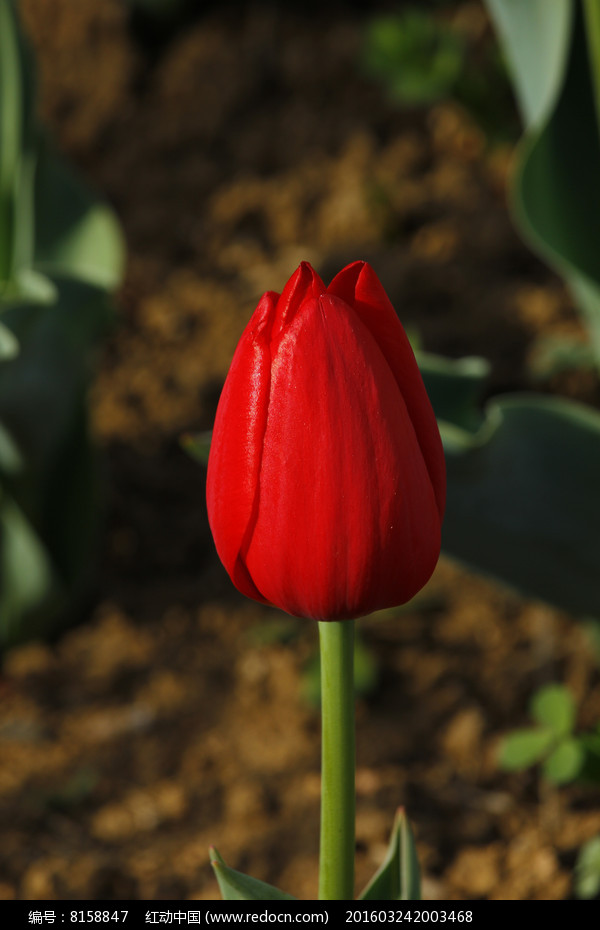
(326, 480)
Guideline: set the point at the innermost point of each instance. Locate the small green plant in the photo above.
(563, 754)
(418, 59)
(587, 870)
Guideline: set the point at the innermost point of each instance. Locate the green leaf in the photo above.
(29, 286)
(523, 502)
(11, 459)
(11, 133)
(9, 345)
(76, 236)
(41, 388)
(399, 878)
(590, 771)
(556, 198)
(535, 36)
(50, 225)
(565, 762)
(554, 355)
(553, 707)
(235, 886)
(587, 870)
(26, 574)
(417, 58)
(455, 387)
(54, 481)
(523, 748)
(197, 445)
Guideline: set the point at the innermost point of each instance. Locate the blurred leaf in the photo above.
(281, 630)
(535, 36)
(417, 58)
(455, 387)
(553, 707)
(399, 878)
(60, 252)
(26, 576)
(522, 498)
(50, 225)
(76, 236)
(235, 886)
(29, 286)
(590, 771)
(40, 389)
(11, 460)
(11, 134)
(587, 870)
(553, 356)
(73, 791)
(556, 197)
(564, 762)
(366, 673)
(197, 446)
(523, 748)
(366, 668)
(592, 626)
(9, 345)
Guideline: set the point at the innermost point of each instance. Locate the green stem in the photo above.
(591, 9)
(336, 869)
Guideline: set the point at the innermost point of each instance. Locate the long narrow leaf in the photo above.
(399, 877)
(556, 196)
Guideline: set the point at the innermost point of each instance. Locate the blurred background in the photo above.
(146, 709)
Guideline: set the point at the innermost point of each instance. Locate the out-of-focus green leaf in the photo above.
(590, 770)
(9, 345)
(366, 673)
(50, 225)
(523, 748)
(455, 387)
(41, 387)
(235, 886)
(535, 36)
(564, 762)
(26, 575)
(553, 356)
(11, 460)
(418, 58)
(76, 236)
(60, 253)
(11, 134)
(197, 445)
(522, 498)
(553, 707)
(556, 196)
(587, 869)
(399, 877)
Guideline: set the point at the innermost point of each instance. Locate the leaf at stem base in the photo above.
(399, 878)
(235, 886)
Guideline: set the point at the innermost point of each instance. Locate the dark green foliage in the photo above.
(60, 254)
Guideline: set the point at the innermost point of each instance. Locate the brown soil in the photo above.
(175, 717)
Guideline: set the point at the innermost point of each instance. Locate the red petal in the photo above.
(236, 449)
(360, 287)
(303, 284)
(346, 518)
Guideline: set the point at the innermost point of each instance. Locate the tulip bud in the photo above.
(326, 480)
